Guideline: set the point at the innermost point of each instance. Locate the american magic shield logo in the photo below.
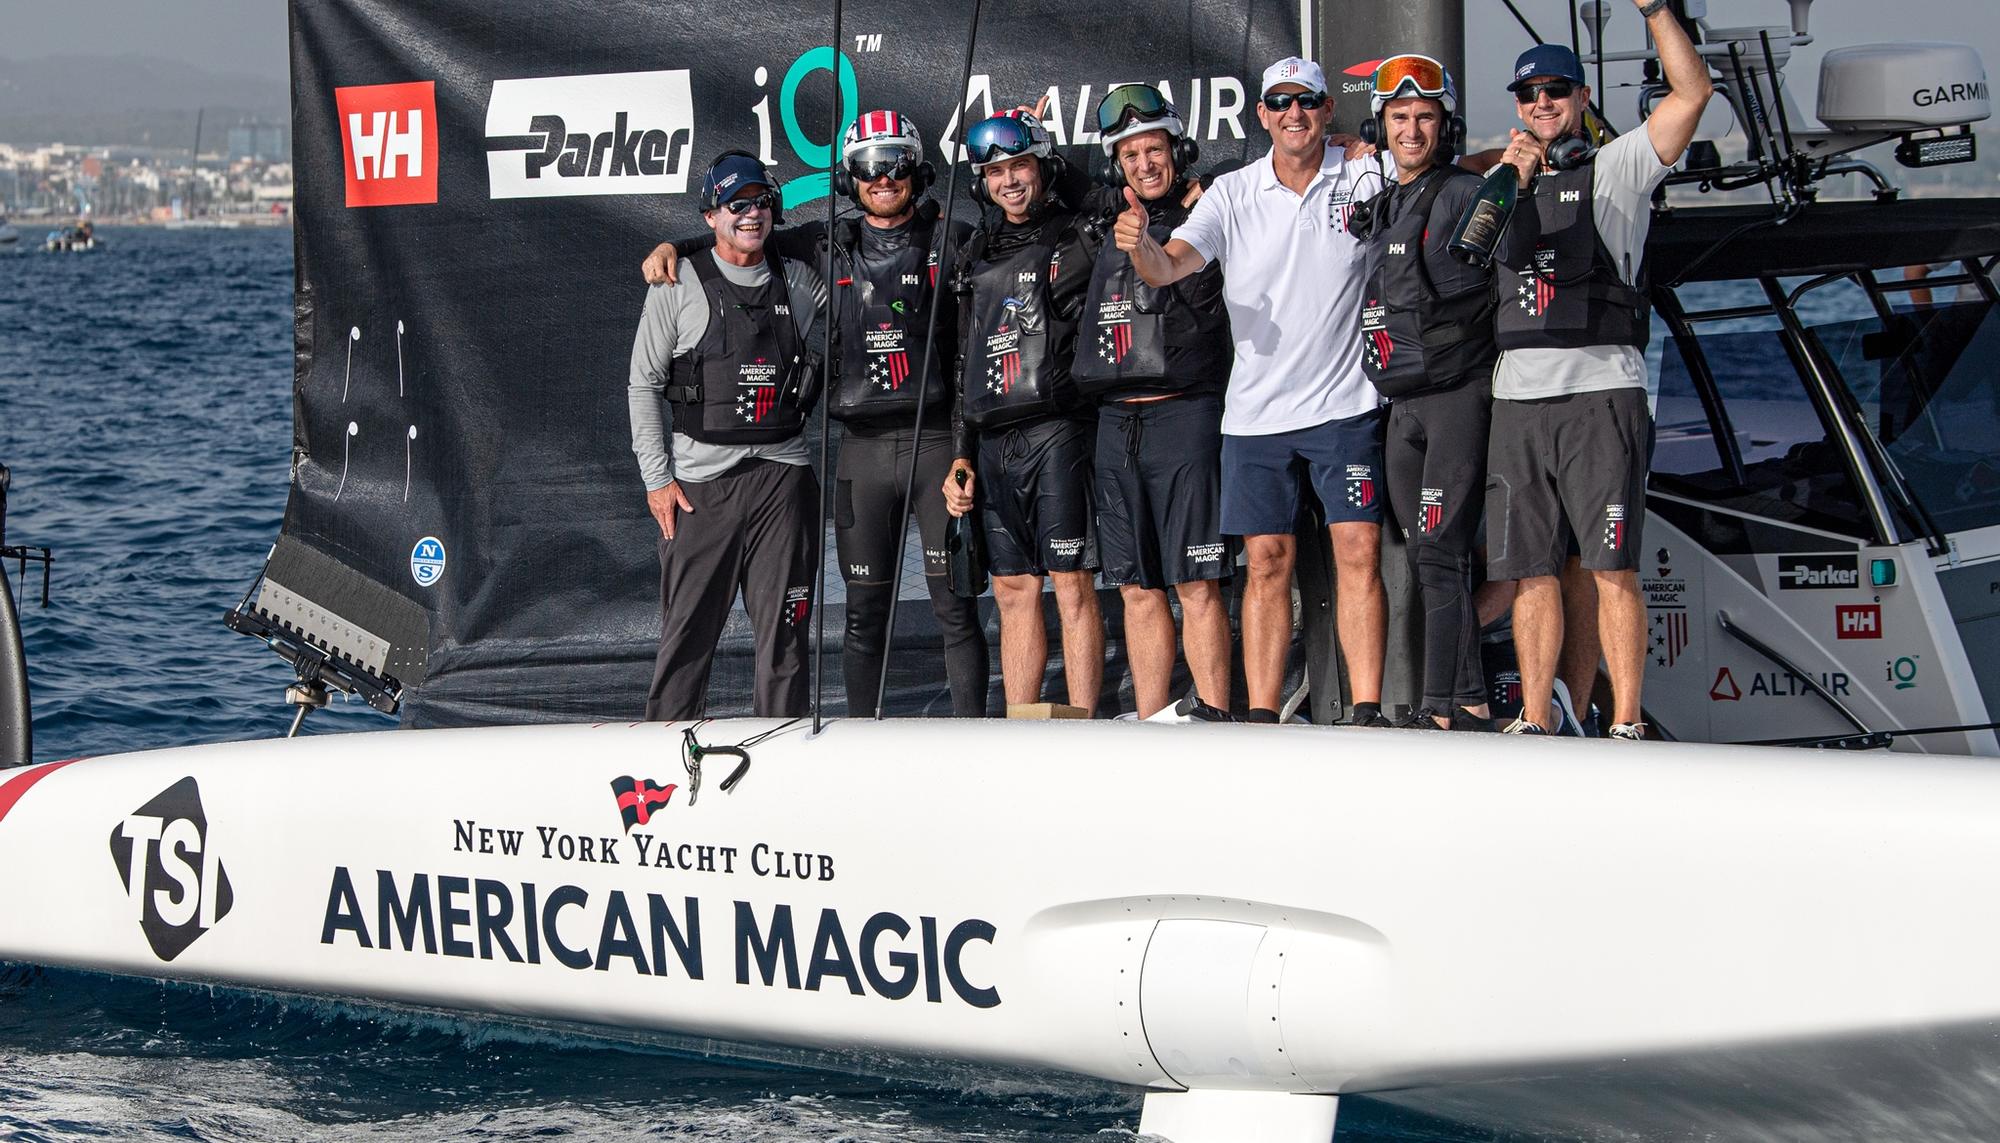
(174, 881)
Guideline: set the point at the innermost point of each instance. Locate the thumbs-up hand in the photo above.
(1131, 228)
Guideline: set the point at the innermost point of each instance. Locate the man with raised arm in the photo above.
(1298, 400)
(1571, 427)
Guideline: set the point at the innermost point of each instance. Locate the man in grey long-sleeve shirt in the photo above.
(720, 366)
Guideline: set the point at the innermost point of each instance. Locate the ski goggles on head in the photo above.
(1132, 101)
(998, 138)
(1399, 76)
(1281, 101)
(741, 206)
(882, 162)
(1557, 89)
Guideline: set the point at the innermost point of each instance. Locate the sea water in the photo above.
(145, 410)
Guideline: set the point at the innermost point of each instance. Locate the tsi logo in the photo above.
(388, 135)
(619, 133)
(175, 883)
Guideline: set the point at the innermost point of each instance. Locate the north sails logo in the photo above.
(619, 133)
(172, 877)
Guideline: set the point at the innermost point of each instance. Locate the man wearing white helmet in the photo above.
(1158, 361)
(888, 265)
(1427, 345)
(1021, 287)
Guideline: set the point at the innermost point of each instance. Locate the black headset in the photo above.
(777, 208)
(921, 180)
(1053, 166)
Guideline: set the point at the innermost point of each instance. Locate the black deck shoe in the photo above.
(1422, 718)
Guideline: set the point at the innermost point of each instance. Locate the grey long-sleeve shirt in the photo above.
(673, 321)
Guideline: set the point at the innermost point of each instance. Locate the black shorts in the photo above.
(1159, 492)
(1575, 464)
(1035, 496)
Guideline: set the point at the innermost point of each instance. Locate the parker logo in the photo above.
(176, 884)
(388, 136)
(1818, 573)
(1858, 621)
(617, 133)
(638, 798)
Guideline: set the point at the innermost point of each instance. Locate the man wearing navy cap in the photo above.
(723, 362)
(1570, 418)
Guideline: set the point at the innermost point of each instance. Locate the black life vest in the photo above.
(1572, 296)
(1138, 340)
(1017, 352)
(746, 382)
(884, 308)
(1414, 339)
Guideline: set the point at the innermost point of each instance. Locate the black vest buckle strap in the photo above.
(884, 308)
(1016, 365)
(1413, 339)
(746, 380)
(1573, 295)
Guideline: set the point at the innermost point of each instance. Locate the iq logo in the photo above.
(173, 879)
(427, 561)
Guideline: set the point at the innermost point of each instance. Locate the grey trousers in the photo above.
(751, 529)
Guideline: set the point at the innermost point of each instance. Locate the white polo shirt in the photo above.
(1292, 278)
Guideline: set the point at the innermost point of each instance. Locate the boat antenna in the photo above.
(946, 266)
(825, 389)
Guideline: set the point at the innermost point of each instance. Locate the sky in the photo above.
(249, 36)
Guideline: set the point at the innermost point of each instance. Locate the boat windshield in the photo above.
(1926, 384)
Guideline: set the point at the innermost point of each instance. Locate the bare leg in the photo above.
(1363, 606)
(1580, 650)
(1538, 632)
(1149, 646)
(1493, 599)
(1024, 644)
(1205, 639)
(1267, 616)
(1082, 636)
(1621, 621)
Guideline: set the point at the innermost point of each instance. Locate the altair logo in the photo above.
(176, 884)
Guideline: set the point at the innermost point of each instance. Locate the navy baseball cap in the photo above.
(1553, 60)
(732, 171)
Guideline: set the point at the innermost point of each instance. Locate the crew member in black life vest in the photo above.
(1158, 359)
(723, 361)
(889, 264)
(1021, 281)
(1570, 419)
(1427, 345)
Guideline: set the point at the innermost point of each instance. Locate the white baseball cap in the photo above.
(1292, 69)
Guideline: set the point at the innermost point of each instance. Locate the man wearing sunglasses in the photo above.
(888, 267)
(722, 366)
(1570, 419)
(1298, 399)
(1427, 344)
(1021, 285)
(1158, 361)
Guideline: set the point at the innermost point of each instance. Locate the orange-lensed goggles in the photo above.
(1422, 74)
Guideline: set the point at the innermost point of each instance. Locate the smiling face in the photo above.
(1413, 127)
(1147, 161)
(885, 197)
(1550, 119)
(745, 233)
(1297, 134)
(1014, 185)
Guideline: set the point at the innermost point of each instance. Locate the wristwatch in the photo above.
(1647, 11)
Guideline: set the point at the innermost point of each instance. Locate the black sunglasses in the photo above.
(1557, 89)
(741, 206)
(1283, 100)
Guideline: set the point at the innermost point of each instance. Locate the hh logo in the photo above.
(388, 134)
(638, 798)
(1399, 248)
(1570, 196)
(1858, 621)
(173, 879)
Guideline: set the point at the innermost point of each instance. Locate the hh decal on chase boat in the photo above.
(176, 885)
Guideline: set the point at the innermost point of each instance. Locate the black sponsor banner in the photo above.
(476, 185)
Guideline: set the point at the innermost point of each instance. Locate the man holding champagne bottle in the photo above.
(1570, 420)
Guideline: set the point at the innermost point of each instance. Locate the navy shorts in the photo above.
(1035, 497)
(1159, 492)
(1260, 475)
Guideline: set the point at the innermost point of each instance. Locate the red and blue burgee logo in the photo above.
(638, 797)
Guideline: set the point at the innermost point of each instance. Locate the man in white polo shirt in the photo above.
(1298, 399)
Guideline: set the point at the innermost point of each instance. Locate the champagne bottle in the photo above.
(965, 551)
(1478, 232)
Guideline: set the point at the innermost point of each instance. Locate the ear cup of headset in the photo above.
(1187, 153)
(1105, 170)
(977, 189)
(1372, 132)
(922, 180)
(843, 185)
